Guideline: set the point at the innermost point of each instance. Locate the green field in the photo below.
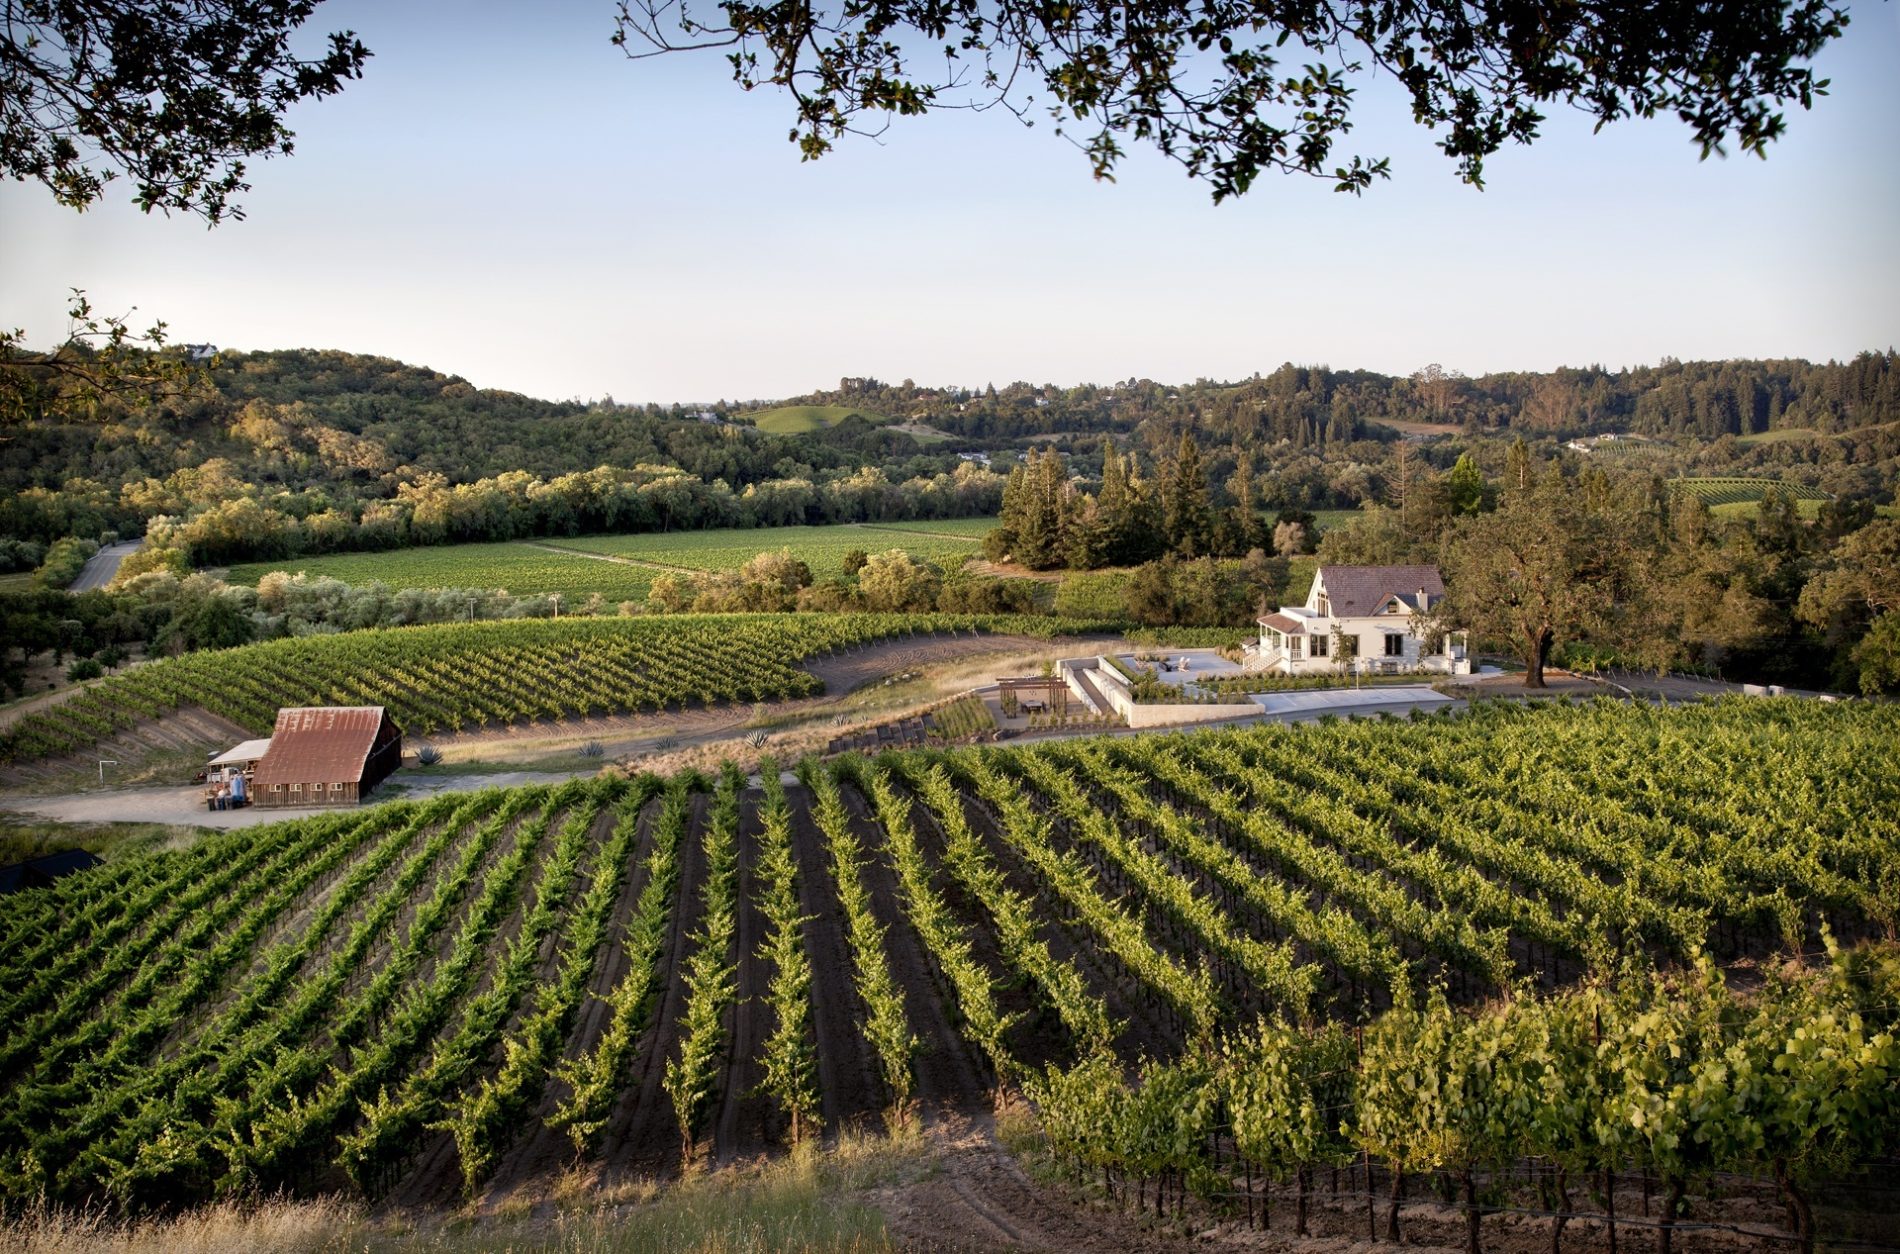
(523, 568)
(957, 528)
(821, 548)
(1809, 509)
(1783, 436)
(534, 567)
(1327, 519)
(798, 419)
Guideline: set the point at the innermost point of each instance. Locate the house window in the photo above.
(336, 787)
(296, 788)
(277, 788)
(1324, 606)
(1394, 645)
(1320, 645)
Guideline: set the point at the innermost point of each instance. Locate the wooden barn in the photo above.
(327, 755)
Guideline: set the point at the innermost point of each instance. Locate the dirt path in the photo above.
(615, 557)
(981, 1199)
(841, 673)
(186, 806)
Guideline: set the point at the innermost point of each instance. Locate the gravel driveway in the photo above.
(187, 805)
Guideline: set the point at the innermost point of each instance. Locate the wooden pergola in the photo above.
(1054, 688)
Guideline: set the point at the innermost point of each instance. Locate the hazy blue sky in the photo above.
(509, 199)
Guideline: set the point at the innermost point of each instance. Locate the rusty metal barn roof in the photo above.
(320, 744)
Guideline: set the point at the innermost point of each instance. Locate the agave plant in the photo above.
(757, 739)
(592, 749)
(428, 755)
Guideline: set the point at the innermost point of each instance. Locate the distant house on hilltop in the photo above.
(1359, 618)
(327, 755)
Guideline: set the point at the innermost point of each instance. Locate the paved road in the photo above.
(103, 565)
(1686, 688)
(186, 806)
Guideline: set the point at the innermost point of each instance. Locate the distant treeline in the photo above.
(1308, 405)
(304, 452)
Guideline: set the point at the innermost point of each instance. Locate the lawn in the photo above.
(523, 568)
(822, 548)
(798, 419)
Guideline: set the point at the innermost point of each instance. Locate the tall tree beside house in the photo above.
(1544, 569)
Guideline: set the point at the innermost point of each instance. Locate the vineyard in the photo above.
(465, 675)
(1719, 491)
(1488, 949)
(523, 569)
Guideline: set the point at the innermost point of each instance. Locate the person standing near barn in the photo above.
(237, 791)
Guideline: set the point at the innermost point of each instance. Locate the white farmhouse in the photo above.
(1359, 618)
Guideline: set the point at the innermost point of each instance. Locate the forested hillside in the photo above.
(301, 451)
(1314, 404)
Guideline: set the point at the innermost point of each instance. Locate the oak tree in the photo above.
(1229, 90)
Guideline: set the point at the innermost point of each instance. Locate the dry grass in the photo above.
(810, 1200)
(226, 1228)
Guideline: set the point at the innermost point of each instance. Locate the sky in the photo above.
(514, 201)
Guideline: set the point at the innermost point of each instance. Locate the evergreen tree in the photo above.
(1466, 487)
(1186, 517)
(1039, 540)
(1246, 530)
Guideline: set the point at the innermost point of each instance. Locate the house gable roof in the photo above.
(1361, 591)
(320, 744)
(1283, 624)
